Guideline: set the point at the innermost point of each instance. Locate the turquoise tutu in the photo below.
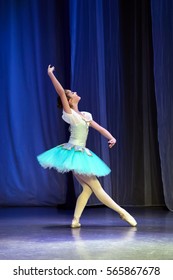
(68, 157)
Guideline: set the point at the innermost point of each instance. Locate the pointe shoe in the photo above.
(128, 218)
(75, 224)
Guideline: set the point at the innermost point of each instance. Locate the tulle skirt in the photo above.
(68, 157)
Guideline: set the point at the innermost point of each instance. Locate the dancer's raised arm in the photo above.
(59, 89)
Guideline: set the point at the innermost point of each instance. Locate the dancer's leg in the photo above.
(81, 200)
(96, 187)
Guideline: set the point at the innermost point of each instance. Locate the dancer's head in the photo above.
(72, 97)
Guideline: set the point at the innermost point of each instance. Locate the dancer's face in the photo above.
(73, 97)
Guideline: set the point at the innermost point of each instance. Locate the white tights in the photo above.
(92, 185)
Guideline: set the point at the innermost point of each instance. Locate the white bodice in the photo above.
(79, 126)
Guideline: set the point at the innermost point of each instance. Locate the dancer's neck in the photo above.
(75, 108)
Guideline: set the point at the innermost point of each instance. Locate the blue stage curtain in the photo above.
(33, 34)
(103, 50)
(88, 71)
(162, 26)
(117, 86)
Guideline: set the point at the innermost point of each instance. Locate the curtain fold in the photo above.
(88, 79)
(141, 176)
(32, 36)
(162, 29)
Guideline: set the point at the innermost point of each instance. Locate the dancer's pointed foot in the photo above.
(128, 218)
(75, 224)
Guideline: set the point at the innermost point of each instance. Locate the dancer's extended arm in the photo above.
(104, 132)
(59, 89)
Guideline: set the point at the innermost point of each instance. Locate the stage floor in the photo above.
(44, 233)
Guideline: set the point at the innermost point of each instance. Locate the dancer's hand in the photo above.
(112, 142)
(50, 69)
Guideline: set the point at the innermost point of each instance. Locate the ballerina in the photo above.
(74, 156)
